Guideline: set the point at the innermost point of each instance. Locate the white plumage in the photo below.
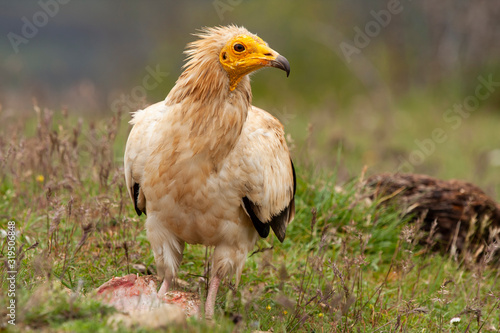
(208, 167)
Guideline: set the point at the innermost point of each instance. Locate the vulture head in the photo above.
(238, 51)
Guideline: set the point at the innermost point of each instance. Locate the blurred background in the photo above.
(411, 86)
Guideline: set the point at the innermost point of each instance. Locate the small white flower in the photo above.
(455, 320)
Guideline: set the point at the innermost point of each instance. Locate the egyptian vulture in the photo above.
(205, 165)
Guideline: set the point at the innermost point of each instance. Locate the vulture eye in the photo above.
(238, 48)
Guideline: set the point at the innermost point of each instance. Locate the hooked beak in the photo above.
(281, 63)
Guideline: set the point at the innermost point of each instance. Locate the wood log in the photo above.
(466, 218)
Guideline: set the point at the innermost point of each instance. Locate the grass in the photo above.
(347, 264)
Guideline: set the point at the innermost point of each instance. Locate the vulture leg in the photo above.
(164, 288)
(228, 260)
(212, 294)
(167, 249)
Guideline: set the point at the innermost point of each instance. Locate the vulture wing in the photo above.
(270, 176)
(137, 151)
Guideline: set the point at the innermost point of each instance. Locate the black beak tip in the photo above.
(282, 63)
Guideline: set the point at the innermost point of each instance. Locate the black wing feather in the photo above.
(278, 222)
(135, 189)
(262, 228)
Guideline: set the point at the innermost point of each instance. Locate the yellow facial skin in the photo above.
(243, 54)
